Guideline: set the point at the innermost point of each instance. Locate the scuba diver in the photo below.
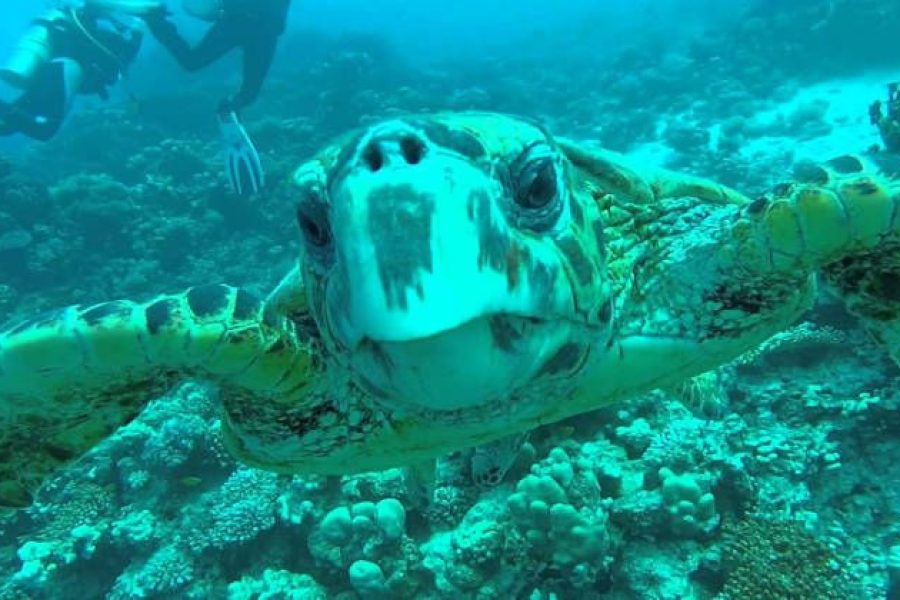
(254, 27)
(67, 51)
(888, 124)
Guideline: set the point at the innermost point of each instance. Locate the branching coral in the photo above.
(244, 507)
(559, 511)
(163, 575)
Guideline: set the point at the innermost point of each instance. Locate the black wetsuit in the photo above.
(101, 47)
(253, 26)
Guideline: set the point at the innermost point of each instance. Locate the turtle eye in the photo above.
(537, 200)
(314, 222)
(536, 187)
(314, 227)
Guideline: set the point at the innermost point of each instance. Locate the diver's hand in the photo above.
(156, 18)
(242, 164)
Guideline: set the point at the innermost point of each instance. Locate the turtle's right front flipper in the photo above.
(870, 288)
(843, 220)
(70, 378)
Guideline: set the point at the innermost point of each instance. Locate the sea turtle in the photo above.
(464, 277)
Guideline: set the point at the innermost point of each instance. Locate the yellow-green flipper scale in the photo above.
(822, 217)
(868, 277)
(840, 219)
(70, 378)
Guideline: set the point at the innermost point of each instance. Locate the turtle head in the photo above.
(448, 259)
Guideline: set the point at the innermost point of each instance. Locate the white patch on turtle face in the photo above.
(417, 248)
(439, 302)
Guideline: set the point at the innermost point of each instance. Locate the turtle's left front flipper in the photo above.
(70, 378)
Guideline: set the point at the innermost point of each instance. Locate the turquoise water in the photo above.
(773, 475)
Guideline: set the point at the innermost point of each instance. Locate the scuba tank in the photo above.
(32, 52)
(41, 109)
(36, 47)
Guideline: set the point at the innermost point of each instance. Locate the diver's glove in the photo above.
(242, 165)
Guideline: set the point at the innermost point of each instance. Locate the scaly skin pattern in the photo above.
(70, 378)
(868, 280)
(463, 277)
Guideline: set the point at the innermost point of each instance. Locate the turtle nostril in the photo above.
(413, 149)
(373, 157)
(396, 150)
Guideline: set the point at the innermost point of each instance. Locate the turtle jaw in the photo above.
(478, 363)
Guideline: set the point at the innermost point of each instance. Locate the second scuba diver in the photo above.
(75, 49)
(254, 27)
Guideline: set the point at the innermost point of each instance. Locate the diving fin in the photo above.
(242, 165)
